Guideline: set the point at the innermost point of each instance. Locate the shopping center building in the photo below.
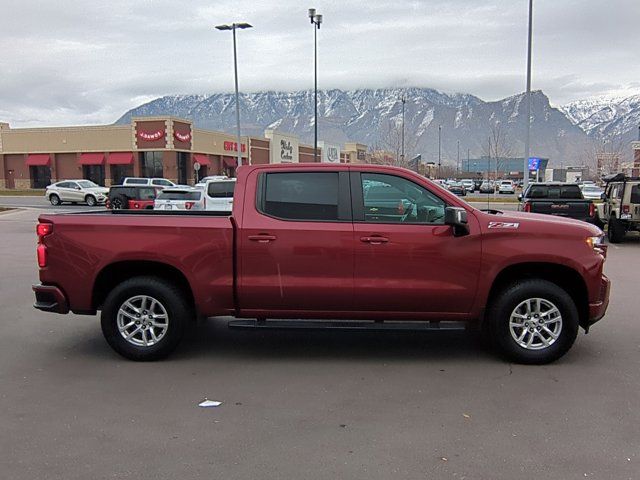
(165, 147)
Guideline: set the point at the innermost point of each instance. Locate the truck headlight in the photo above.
(597, 244)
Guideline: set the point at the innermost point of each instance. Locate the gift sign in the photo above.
(233, 147)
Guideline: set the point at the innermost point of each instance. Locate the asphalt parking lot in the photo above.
(321, 405)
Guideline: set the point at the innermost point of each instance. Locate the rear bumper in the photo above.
(599, 308)
(50, 299)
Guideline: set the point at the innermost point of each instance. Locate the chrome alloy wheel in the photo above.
(142, 321)
(535, 324)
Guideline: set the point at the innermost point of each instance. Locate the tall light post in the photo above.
(316, 21)
(439, 150)
(233, 27)
(458, 160)
(403, 100)
(527, 138)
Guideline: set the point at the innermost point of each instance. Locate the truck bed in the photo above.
(89, 246)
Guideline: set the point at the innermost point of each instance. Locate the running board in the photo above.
(251, 324)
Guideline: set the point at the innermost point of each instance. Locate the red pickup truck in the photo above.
(342, 246)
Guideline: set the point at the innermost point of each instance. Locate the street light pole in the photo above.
(527, 137)
(233, 27)
(439, 150)
(316, 21)
(458, 160)
(402, 155)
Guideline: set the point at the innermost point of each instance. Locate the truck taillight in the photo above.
(42, 255)
(44, 229)
(189, 205)
(527, 206)
(592, 209)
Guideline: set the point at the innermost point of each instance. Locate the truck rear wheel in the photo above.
(616, 230)
(144, 318)
(532, 321)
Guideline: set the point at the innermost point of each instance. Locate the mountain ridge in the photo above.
(565, 134)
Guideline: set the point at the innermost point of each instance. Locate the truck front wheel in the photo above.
(532, 321)
(144, 318)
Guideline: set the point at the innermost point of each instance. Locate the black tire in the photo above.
(505, 303)
(119, 202)
(616, 230)
(598, 222)
(172, 299)
(54, 199)
(90, 200)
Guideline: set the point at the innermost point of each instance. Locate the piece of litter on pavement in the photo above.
(466, 415)
(444, 459)
(209, 403)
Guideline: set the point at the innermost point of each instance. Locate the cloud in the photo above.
(88, 62)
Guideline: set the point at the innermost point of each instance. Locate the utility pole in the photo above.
(316, 21)
(458, 159)
(233, 27)
(439, 150)
(527, 139)
(402, 155)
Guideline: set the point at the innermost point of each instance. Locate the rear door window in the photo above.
(302, 196)
(635, 194)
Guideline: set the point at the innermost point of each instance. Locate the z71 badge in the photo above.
(504, 225)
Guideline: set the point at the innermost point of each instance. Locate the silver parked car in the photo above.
(76, 191)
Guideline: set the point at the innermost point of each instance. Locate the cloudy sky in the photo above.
(81, 62)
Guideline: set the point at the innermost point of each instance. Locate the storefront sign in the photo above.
(151, 136)
(284, 148)
(330, 152)
(233, 147)
(182, 137)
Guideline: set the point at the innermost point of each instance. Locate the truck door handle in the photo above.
(262, 238)
(374, 240)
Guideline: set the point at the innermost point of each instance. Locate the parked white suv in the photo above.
(218, 194)
(175, 198)
(506, 186)
(76, 191)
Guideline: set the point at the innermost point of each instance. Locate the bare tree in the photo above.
(391, 142)
(498, 147)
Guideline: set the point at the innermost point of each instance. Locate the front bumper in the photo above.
(50, 299)
(599, 308)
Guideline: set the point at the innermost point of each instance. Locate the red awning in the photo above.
(91, 159)
(232, 162)
(120, 158)
(201, 159)
(38, 160)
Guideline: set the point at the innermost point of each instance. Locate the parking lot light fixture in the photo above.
(233, 27)
(316, 21)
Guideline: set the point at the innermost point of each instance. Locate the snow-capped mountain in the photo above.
(613, 119)
(369, 116)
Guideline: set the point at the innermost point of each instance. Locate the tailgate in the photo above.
(562, 208)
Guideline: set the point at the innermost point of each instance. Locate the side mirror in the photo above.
(78, 188)
(519, 197)
(603, 196)
(457, 218)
